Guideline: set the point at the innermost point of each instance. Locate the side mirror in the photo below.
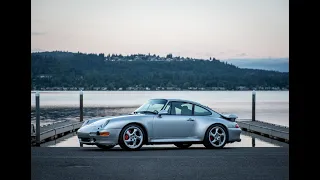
(162, 112)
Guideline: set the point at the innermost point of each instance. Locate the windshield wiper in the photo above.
(145, 112)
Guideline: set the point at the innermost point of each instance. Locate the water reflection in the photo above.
(247, 140)
(260, 141)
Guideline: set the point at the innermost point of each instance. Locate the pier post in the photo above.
(253, 105)
(81, 106)
(37, 119)
(253, 142)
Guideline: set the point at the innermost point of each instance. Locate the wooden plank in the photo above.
(59, 128)
(271, 130)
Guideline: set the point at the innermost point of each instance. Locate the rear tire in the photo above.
(183, 145)
(216, 137)
(132, 137)
(105, 147)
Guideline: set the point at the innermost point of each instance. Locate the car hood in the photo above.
(101, 120)
(94, 121)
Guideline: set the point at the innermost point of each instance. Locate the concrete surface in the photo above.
(75, 163)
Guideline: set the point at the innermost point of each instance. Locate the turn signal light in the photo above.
(104, 133)
(237, 126)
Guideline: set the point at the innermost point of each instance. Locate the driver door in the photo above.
(178, 124)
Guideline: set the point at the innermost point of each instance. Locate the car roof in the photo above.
(183, 100)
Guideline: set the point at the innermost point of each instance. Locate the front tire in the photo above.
(105, 147)
(216, 137)
(183, 145)
(131, 137)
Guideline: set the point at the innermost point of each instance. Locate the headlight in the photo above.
(85, 122)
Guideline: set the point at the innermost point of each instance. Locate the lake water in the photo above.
(271, 106)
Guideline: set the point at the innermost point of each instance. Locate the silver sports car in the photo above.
(162, 121)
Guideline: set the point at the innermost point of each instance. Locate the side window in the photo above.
(181, 108)
(199, 111)
(168, 107)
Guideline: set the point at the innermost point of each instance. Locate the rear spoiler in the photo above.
(230, 117)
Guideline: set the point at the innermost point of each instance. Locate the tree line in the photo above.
(114, 71)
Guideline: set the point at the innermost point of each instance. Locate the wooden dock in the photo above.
(55, 130)
(265, 129)
(59, 129)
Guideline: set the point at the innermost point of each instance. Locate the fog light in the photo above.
(104, 133)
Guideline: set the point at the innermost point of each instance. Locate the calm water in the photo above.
(271, 106)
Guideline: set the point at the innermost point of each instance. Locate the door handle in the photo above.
(190, 119)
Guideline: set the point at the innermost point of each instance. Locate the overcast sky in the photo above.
(191, 28)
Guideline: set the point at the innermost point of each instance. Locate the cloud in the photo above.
(242, 54)
(37, 33)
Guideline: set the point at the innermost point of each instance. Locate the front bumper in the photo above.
(234, 134)
(92, 138)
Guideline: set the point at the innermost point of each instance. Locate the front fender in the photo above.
(144, 120)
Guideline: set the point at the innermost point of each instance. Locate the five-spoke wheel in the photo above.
(131, 137)
(216, 137)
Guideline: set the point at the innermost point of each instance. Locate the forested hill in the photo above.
(52, 70)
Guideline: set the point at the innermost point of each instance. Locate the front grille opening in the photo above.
(85, 139)
(88, 139)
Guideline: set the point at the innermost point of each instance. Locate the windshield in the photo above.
(152, 106)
